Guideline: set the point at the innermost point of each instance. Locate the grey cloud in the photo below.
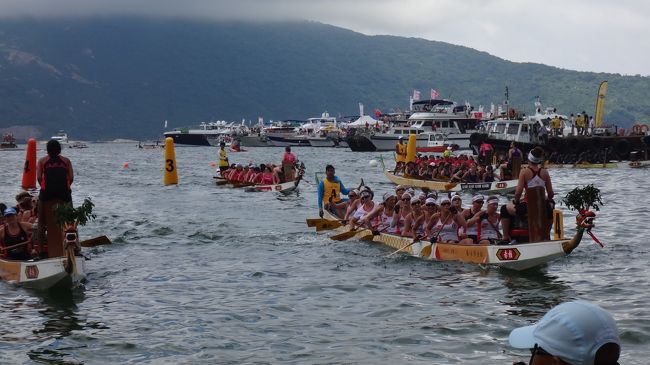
(595, 35)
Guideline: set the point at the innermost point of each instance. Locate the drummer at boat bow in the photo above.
(14, 237)
(400, 154)
(288, 156)
(531, 177)
(55, 176)
(329, 191)
(223, 157)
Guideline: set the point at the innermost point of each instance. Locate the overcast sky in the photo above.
(586, 35)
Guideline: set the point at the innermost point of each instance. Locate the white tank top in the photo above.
(536, 181)
(385, 220)
(419, 229)
(448, 232)
(472, 229)
(360, 212)
(488, 230)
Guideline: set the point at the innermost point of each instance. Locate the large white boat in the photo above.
(287, 133)
(62, 137)
(326, 133)
(456, 122)
(207, 134)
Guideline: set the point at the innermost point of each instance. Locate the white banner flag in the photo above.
(434, 94)
(360, 109)
(416, 95)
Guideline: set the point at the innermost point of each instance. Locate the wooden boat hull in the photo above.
(495, 187)
(515, 257)
(284, 188)
(43, 274)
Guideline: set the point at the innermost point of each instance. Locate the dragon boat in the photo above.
(517, 257)
(495, 187)
(63, 272)
(284, 188)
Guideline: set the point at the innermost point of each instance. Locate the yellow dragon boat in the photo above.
(495, 187)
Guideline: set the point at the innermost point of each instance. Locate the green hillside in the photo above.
(105, 78)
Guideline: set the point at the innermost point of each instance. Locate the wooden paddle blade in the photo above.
(328, 225)
(345, 235)
(97, 241)
(313, 222)
(367, 237)
(450, 186)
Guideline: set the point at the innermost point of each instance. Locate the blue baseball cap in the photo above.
(9, 211)
(572, 331)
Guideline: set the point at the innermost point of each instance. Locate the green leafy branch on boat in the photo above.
(66, 214)
(583, 198)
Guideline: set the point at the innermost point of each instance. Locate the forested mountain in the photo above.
(103, 78)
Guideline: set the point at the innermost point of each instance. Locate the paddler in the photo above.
(531, 177)
(13, 233)
(400, 155)
(447, 153)
(223, 157)
(55, 175)
(329, 191)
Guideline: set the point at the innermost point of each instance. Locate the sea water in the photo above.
(201, 274)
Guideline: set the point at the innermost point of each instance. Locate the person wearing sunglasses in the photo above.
(414, 224)
(383, 212)
(572, 333)
(363, 207)
(444, 225)
(402, 209)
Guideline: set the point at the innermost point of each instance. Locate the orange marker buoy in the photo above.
(213, 164)
(29, 169)
(170, 175)
(125, 165)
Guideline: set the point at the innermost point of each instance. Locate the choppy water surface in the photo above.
(205, 274)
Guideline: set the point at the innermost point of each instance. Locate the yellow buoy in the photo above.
(170, 176)
(411, 148)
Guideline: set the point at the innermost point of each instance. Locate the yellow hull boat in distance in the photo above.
(495, 187)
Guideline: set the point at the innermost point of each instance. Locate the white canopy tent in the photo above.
(361, 122)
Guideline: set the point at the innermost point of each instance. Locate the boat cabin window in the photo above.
(524, 128)
(500, 128)
(513, 128)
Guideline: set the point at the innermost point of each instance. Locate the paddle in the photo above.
(97, 241)
(313, 222)
(417, 239)
(347, 234)
(14, 246)
(450, 186)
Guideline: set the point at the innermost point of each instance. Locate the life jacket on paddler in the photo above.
(401, 152)
(331, 190)
(56, 180)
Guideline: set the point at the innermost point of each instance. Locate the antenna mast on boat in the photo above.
(507, 103)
